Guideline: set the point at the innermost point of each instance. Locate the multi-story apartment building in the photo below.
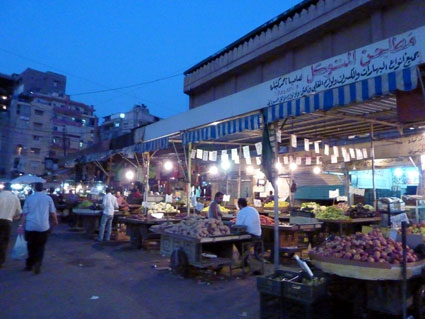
(121, 123)
(43, 124)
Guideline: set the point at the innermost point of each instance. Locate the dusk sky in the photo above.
(102, 44)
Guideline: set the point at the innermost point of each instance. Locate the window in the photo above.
(54, 140)
(39, 112)
(35, 150)
(36, 137)
(34, 164)
(24, 110)
(117, 124)
(55, 128)
(81, 144)
(38, 125)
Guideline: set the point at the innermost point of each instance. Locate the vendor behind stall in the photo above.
(249, 217)
(214, 210)
(269, 198)
(121, 200)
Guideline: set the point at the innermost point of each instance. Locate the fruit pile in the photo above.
(281, 204)
(199, 228)
(222, 209)
(372, 247)
(360, 211)
(332, 212)
(416, 229)
(312, 207)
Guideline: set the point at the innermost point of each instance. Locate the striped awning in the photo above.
(404, 80)
(154, 145)
(212, 132)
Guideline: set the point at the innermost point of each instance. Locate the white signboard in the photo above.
(246, 153)
(257, 203)
(306, 144)
(336, 152)
(326, 151)
(308, 160)
(193, 154)
(213, 156)
(248, 160)
(294, 141)
(334, 194)
(234, 153)
(259, 148)
(316, 147)
(199, 153)
(386, 56)
(205, 156)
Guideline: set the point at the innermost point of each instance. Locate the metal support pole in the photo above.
(189, 177)
(145, 195)
(404, 270)
(347, 184)
(372, 147)
(239, 173)
(109, 169)
(276, 209)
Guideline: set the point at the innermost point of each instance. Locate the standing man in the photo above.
(214, 210)
(35, 220)
(10, 208)
(109, 204)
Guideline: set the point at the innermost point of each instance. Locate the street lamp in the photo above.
(225, 165)
(317, 170)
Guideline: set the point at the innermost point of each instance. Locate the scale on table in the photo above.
(390, 206)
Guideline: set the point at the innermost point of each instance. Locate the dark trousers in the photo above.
(36, 243)
(5, 229)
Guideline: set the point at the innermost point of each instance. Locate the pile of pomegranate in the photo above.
(372, 247)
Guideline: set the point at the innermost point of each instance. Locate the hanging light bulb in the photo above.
(225, 165)
(129, 175)
(259, 175)
(398, 172)
(293, 166)
(168, 165)
(317, 170)
(278, 165)
(250, 170)
(213, 170)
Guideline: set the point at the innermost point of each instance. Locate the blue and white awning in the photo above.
(154, 145)
(212, 132)
(404, 80)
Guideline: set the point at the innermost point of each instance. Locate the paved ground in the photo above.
(82, 279)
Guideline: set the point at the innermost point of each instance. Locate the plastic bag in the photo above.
(20, 250)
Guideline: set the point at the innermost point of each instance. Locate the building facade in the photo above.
(42, 124)
(118, 124)
(310, 32)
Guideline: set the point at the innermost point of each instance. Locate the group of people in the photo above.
(247, 216)
(37, 217)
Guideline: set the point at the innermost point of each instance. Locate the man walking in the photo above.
(35, 219)
(10, 207)
(109, 204)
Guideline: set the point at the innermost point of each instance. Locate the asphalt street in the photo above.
(84, 279)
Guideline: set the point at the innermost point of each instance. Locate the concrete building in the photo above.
(42, 124)
(312, 31)
(122, 123)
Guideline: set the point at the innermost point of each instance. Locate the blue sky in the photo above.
(103, 44)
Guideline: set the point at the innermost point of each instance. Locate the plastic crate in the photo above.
(274, 284)
(303, 293)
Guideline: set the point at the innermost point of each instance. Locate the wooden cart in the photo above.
(376, 287)
(187, 251)
(139, 230)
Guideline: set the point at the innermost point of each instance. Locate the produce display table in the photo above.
(91, 218)
(377, 286)
(344, 223)
(185, 251)
(139, 229)
(288, 235)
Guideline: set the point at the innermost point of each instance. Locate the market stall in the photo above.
(90, 219)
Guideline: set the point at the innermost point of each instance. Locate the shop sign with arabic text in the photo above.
(395, 53)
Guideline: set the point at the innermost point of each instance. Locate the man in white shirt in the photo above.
(38, 208)
(10, 208)
(249, 217)
(109, 204)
